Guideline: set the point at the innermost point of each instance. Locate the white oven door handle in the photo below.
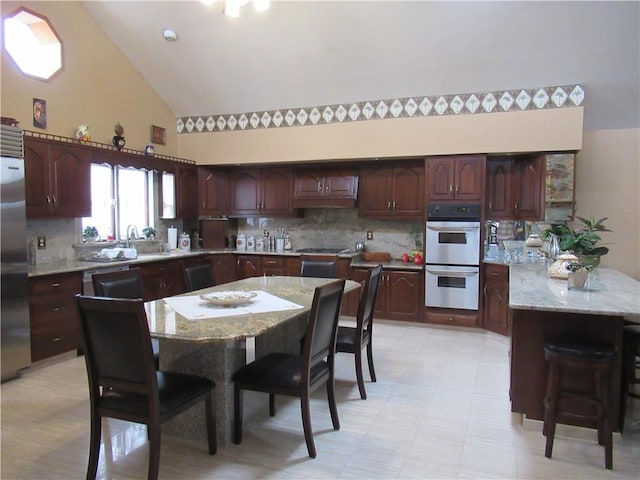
(452, 273)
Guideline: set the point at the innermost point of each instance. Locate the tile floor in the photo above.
(440, 410)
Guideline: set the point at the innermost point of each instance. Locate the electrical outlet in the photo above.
(42, 242)
(369, 235)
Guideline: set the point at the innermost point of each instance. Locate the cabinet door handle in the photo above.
(450, 189)
(516, 206)
(388, 205)
(48, 200)
(319, 187)
(484, 291)
(457, 188)
(490, 205)
(53, 198)
(327, 187)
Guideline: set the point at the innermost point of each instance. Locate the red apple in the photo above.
(405, 258)
(418, 259)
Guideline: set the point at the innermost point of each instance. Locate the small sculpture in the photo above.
(118, 141)
(83, 133)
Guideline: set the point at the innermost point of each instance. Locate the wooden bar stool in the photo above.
(566, 357)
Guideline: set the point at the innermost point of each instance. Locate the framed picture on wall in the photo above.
(157, 135)
(39, 113)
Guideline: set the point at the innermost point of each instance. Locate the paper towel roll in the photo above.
(172, 238)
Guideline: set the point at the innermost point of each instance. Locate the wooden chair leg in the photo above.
(237, 415)
(272, 405)
(372, 371)
(212, 434)
(94, 446)
(359, 374)
(549, 427)
(333, 407)
(306, 424)
(154, 450)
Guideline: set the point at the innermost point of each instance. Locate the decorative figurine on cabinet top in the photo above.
(83, 133)
(118, 141)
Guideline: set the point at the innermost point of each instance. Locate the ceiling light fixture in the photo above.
(231, 8)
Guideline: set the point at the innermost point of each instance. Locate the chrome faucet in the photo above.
(132, 234)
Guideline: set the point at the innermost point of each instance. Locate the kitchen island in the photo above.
(544, 308)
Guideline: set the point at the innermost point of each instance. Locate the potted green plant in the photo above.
(415, 235)
(582, 241)
(90, 234)
(149, 233)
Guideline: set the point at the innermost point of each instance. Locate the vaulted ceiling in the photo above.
(307, 53)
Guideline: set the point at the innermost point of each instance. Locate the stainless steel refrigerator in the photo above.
(16, 342)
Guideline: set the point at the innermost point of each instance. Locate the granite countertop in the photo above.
(82, 265)
(608, 292)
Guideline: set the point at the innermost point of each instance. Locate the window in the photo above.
(120, 197)
(32, 44)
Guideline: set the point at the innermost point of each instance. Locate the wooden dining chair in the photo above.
(123, 284)
(298, 375)
(318, 268)
(355, 339)
(123, 380)
(197, 277)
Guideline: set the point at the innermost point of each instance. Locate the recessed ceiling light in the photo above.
(169, 35)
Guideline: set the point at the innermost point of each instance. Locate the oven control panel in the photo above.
(453, 212)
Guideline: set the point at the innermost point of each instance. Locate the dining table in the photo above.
(199, 334)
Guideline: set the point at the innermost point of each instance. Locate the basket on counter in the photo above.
(376, 256)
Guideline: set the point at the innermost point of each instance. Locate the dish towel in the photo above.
(192, 307)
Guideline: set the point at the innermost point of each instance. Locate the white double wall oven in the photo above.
(452, 256)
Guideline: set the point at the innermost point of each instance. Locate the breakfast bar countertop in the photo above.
(609, 292)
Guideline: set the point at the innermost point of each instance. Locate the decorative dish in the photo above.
(228, 299)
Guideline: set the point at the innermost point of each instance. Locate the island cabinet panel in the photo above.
(515, 188)
(212, 192)
(293, 265)
(261, 191)
(392, 191)
(330, 188)
(459, 178)
(55, 322)
(57, 179)
(495, 311)
(161, 279)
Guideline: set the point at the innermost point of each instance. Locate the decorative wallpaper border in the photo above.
(430, 106)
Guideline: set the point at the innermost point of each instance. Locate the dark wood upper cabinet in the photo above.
(57, 179)
(261, 191)
(212, 192)
(186, 191)
(330, 188)
(515, 188)
(392, 191)
(459, 177)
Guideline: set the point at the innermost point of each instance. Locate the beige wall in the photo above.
(98, 86)
(608, 185)
(543, 130)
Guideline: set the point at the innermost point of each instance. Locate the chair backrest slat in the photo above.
(367, 303)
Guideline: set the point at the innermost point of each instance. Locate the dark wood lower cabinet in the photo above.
(161, 279)
(400, 294)
(55, 322)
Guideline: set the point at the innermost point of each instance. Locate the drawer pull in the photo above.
(54, 285)
(56, 309)
(56, 339)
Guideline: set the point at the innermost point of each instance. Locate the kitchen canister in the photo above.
(251, 243)
(241, 242)
(184, 242)
(260, 244)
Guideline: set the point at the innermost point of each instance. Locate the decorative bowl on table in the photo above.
(228, 299)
